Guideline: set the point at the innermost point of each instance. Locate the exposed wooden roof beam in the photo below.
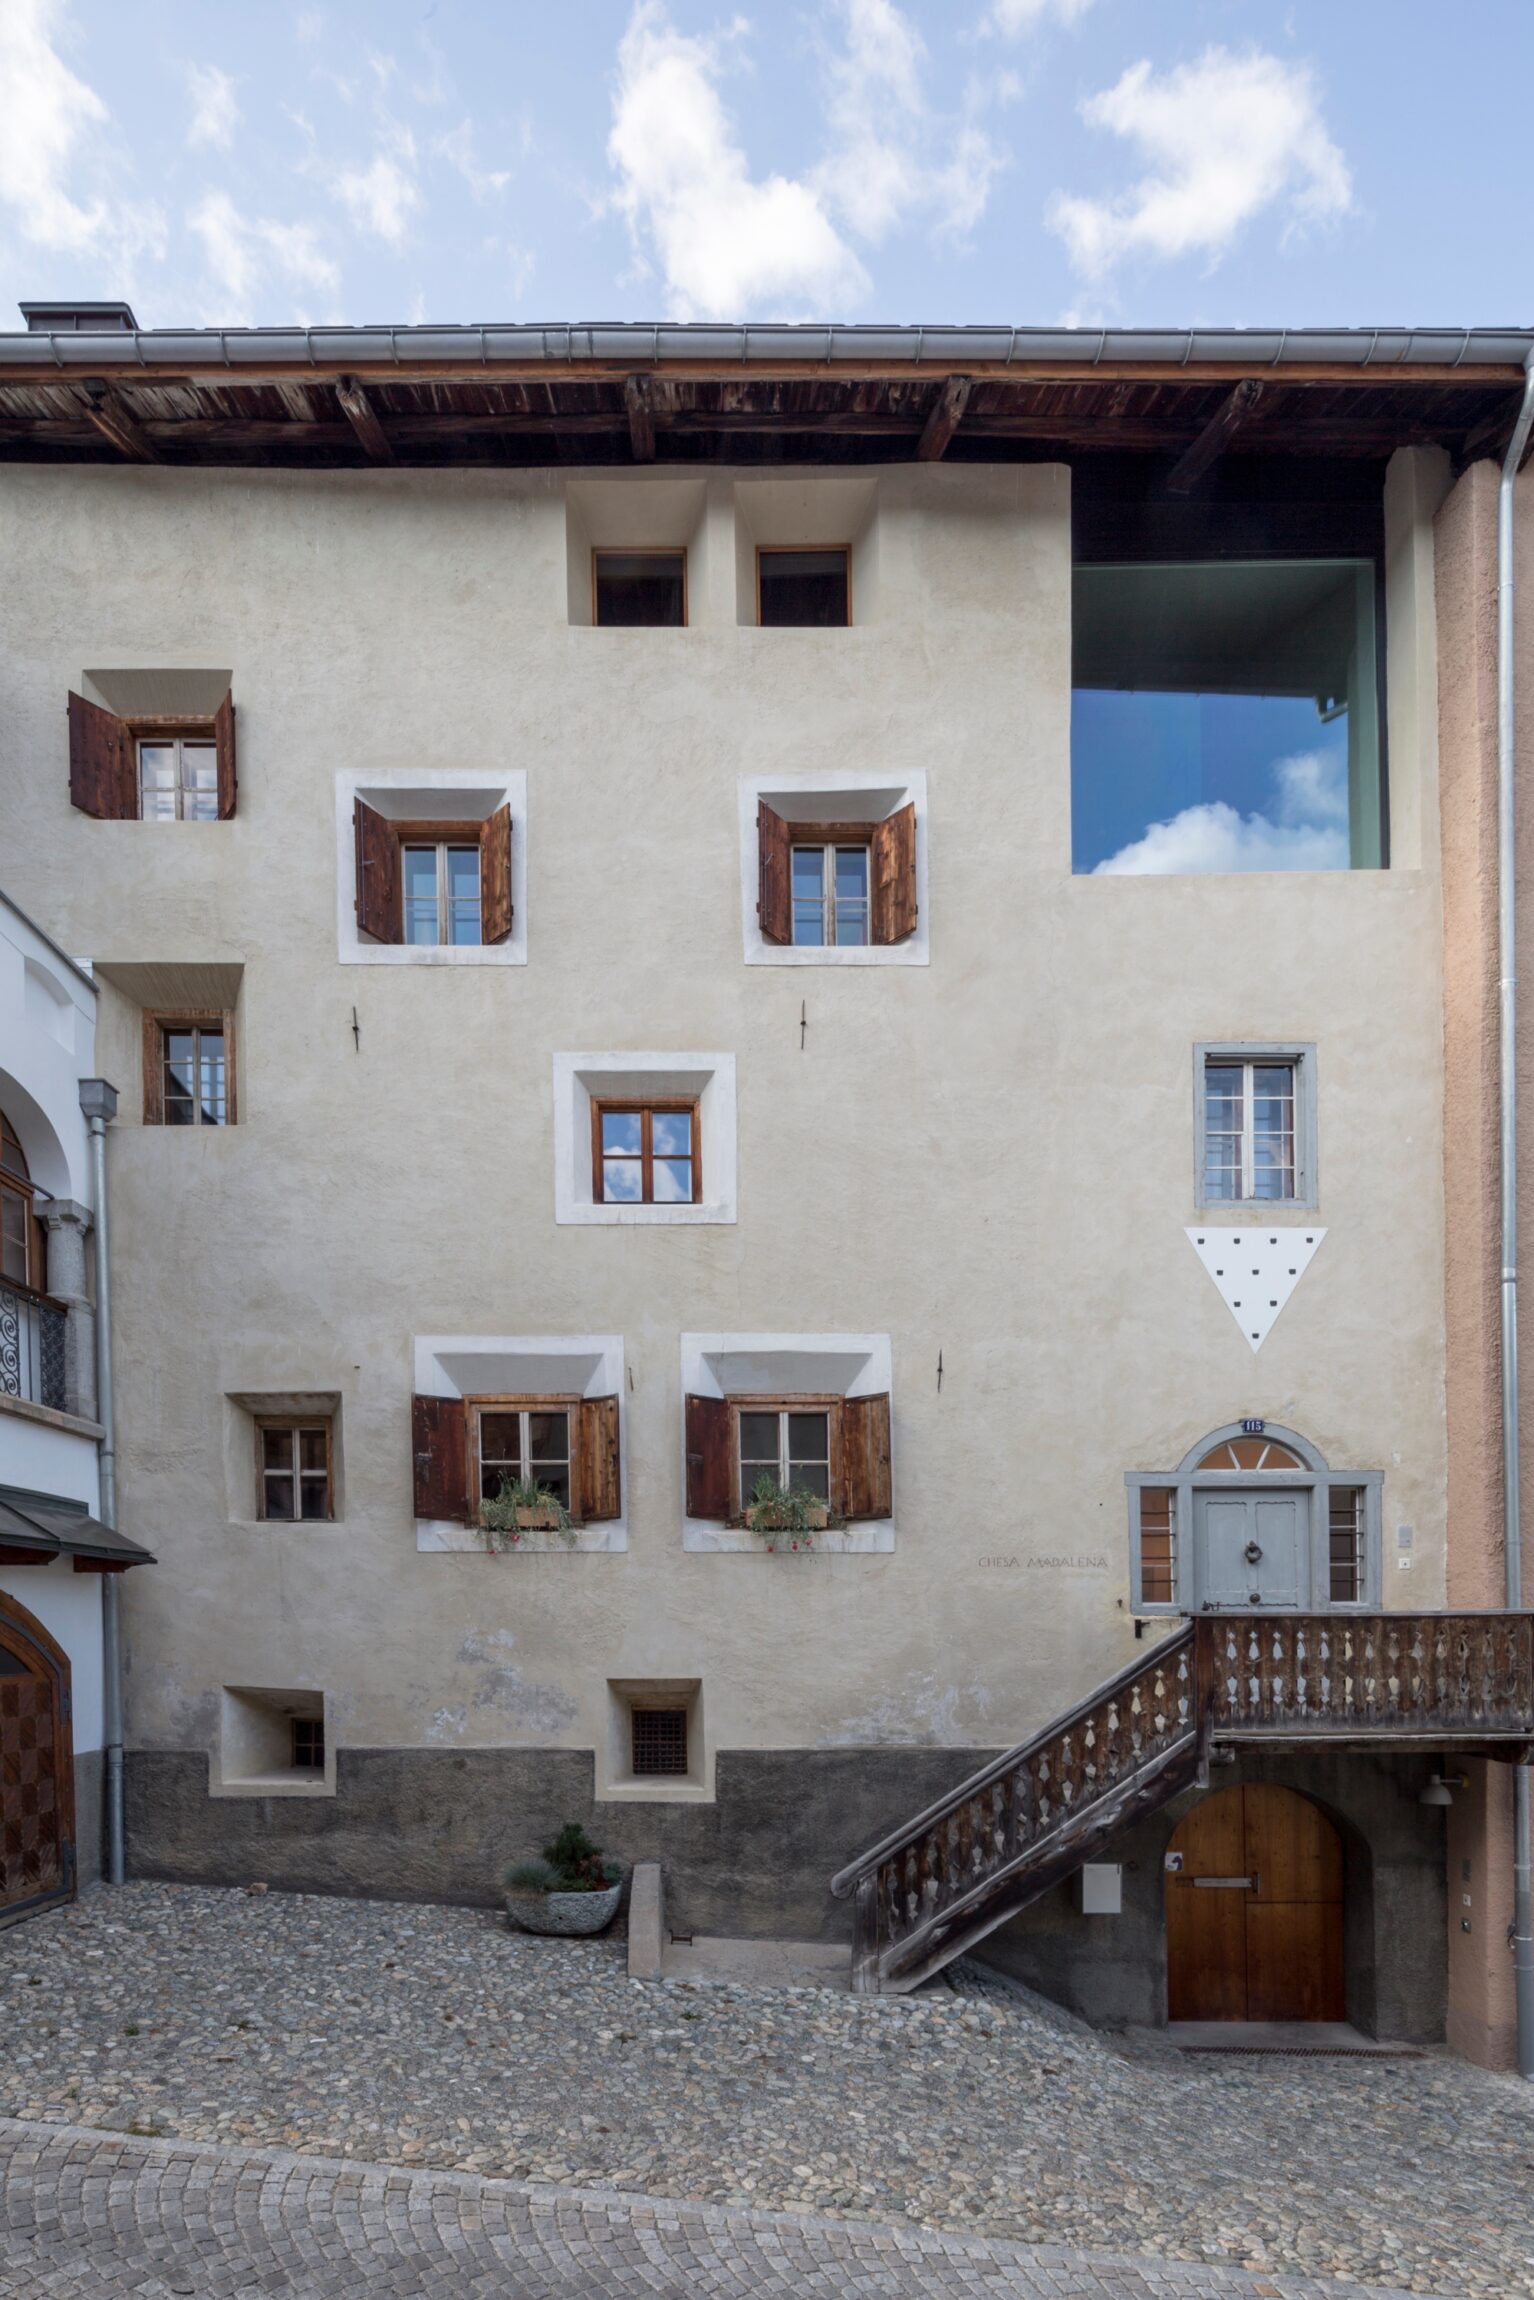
(1215, 437)
(295, 398)
(636, 398)
(946, 416)
(358, 410)
(115, 422)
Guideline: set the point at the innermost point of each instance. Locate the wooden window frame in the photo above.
(645, 1105)
(294, 1425)
(778, 550)
(640, 551)
(442, 835)
(566, 1402)
(177, 731)
(783, 1403)
(157, 1021)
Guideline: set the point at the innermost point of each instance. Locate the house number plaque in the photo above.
(1253, 1427)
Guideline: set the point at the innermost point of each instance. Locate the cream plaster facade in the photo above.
(985, 1158)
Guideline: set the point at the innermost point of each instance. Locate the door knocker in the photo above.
(1253, 1553)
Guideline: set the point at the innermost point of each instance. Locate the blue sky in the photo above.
(1155, 161)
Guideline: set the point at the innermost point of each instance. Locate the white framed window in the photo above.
(810, 1411)
(450, 847)
(178, 780)
(526, 1406)
(833, 868)
(1254, 1125)
(597, 1095)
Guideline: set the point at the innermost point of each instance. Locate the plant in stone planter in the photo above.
(522, 1506)
(572, 1888)
(787, 1520)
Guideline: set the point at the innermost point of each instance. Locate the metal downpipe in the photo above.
(111, 1594)
(1507, 1002)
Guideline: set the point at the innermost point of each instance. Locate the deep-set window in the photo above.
(830, 894)
(178, 780)
(294, 1470)
(804, 588)
(19, 1257)
(836, 885)
(834, 1450)
(639, 588)
(188, 1072)
(441, 891)
(308, 1744)
(527, 1443)
(791, 1445)
(646, 1153)
(657, 1742)
(1225, 716)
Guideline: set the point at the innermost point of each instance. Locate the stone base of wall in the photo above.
(90, 1775)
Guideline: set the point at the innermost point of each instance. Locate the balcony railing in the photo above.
(31, 1346)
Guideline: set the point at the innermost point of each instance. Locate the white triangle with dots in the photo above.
(1256, 1271)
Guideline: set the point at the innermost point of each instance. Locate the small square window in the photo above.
(308, 1739)
(639, 588)
(188, 1070)
(1256, 1126)
(658, 1743)
(803, 589)
(293, 1472)
(646, 1154)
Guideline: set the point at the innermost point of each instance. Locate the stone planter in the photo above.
(570, 1914)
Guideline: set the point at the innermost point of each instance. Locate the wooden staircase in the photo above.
(935, 1887)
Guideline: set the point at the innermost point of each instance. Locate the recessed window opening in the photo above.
(646, 1153)
(20, 1260)
(1249, 1131)
(1346, 1530)
(194, 1089)
(803, 589)
(658, 1742)
(1226, 717)
(295, 1470)
(830, 895)
(639, 589)
(178, 779)
(308, 1744)
(523, 1445)
(789, 1445)
(441, 892)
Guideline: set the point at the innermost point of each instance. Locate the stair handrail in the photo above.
(845, 1879)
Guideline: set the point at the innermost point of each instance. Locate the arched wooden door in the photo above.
(1254, 1910)
(37, 1774)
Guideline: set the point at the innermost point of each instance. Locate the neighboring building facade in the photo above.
(669, 981)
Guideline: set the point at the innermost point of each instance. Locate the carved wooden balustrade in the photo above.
(1010, 1831)
(1443, 1677)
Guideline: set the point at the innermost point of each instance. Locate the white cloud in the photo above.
(243, 254)
(1012, 18)
(1224, 138)
(382, 197)
(457, 148)
(1307, 829)
(726, 243)
(214, 110)
(880, 168)
(52, 121)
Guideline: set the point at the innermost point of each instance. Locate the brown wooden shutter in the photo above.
(103, 768)
(865, 1457)
(892, 913)
(380, 889)
(439, 1429)
(598, 1495)
(223, 741)
(495, 879)
(774, 898)
(710, 1458)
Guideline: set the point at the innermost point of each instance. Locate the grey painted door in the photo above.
(1252, 1547)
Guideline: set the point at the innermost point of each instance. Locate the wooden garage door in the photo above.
(37, 1863)
(1254, 1910)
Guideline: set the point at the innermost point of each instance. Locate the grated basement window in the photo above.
(308, 1744)
(659, 1741)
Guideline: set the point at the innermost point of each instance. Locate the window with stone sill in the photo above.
(646, 1153)
(294, 1474)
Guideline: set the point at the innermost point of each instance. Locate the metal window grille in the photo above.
(31, 1349)
(659, 1741)
(1345, 1543)
(308, 1744)
(1158, 1545)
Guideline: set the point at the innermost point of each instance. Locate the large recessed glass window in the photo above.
(1225, 717)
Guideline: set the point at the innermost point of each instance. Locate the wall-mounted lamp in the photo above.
(1440, 1790)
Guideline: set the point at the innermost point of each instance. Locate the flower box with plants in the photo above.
(785, 1520)
(572, 1888)
(521, 1507)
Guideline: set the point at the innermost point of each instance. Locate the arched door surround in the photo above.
(37, 1828)
(1254, 1518)
(1254, 1910)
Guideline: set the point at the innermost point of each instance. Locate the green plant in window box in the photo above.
(522, 1506)
(789, 1520)
(572, 1888)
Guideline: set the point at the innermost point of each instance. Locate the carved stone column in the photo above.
(68, 1225)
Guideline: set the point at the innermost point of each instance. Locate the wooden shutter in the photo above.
(103, 769)
(710, 1459)
(223, 740)
(596, 1447)
(495, 879)
(892, 912)
(774, 899)
(380, 890)
(439, 1429)
(865, 1456)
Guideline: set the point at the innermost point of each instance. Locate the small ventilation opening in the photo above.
(308, 1744)
(659, 1742)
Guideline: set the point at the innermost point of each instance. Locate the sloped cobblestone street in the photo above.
(933, 2144)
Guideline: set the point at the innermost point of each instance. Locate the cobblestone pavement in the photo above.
(432, 2038)
(112, 2218)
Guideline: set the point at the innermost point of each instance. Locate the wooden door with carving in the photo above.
(1254, 1909)
(37, 1853)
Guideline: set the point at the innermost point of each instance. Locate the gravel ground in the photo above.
(433, 2037)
